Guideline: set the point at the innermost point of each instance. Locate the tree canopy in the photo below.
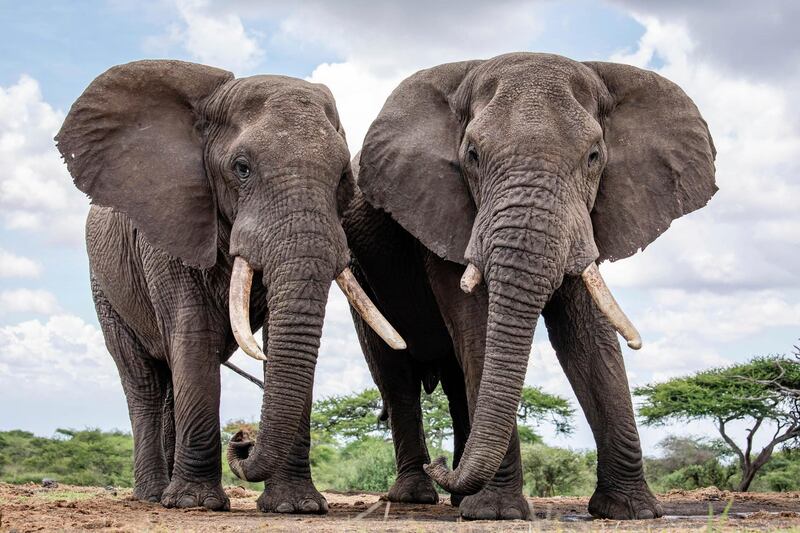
(354, 416)
(764, 389)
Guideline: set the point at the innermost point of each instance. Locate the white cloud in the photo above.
(28, 301)
(54, 356)
(36, 191)
(17, 266)
(215, 37)
(719, 317)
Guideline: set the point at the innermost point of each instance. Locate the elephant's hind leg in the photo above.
(400, 389)
(400, 386)
(145, 382)
(588, 350)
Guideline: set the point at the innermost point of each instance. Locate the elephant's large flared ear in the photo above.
(131, 142)
(660, 160)
(409, 163)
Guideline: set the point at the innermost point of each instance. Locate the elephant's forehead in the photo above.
(251, 98)
(535, 77)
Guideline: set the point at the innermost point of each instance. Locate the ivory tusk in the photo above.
(364, 307)
(472, 278)
(239, 308)
(608, 305)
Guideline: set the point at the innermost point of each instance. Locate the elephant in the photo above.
(488, 191)
(199, 179)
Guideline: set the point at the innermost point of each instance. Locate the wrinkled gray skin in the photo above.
(529, 166)
(165, 148)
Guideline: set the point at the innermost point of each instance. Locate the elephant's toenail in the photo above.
(645, 514)
(284, 507)
(512, 514)
(213, 503)
(309, 506)
(187, 500)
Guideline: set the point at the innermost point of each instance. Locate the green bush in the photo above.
(366, 464)
(89, 457)
(550, 471)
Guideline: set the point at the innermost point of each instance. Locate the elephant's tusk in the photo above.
(472, 278)
(608, 305)
(239, 308)
(364, 307)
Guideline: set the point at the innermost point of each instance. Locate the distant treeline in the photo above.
(351, 450)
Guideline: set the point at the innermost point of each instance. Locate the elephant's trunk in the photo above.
(298, 293)
(524, 258)
(302, 249)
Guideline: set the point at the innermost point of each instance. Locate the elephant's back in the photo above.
(116, 265)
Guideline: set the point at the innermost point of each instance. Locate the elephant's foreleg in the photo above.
(291, 490)
(145, 382)
(197, 471)
(589, 352)
(465, 317)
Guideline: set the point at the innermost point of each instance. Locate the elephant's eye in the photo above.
(242, 168)
(594, 155)
(472, 153)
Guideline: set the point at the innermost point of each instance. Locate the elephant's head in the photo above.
(213, 170)
(529, 167)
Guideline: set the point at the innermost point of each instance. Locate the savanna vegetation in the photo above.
(352, 449)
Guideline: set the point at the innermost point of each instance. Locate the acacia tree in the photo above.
(767, 389)
(356, 415)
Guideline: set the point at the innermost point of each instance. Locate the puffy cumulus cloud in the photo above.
(758, 39)
(37, 301)
(36, 191)
(383, 43)
(719, 317)
(55, 355)
(17, 266)
(212, 35)
(390, 36)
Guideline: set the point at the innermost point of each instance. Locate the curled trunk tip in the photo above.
(238, 450)
(437, 470)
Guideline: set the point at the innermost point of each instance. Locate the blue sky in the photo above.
(720, 286)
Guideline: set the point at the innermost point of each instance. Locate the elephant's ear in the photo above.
(409, 164)
(131, 142)
(660, 160)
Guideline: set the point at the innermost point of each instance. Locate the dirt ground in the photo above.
(34, 508)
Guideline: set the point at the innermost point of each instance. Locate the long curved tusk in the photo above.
(364, 306)
(472, 278)
(608, 305)
(239, 308)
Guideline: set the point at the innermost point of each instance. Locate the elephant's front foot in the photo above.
(150, 491)
(625, 504)
(182, 494)
(495, 503)
(293, 496)
(415, 487)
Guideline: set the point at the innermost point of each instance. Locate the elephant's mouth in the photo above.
(239, 308)
(597, 288)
